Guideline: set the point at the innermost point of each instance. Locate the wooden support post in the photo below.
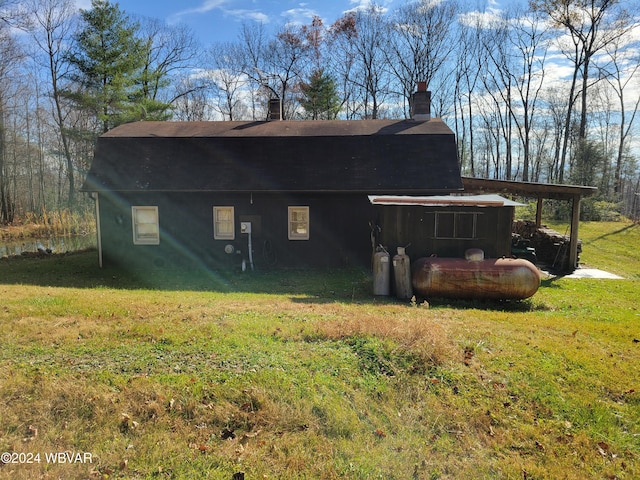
(573, 244)
(539, 211)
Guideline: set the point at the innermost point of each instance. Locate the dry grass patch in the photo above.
(416, 333)
(46, 224)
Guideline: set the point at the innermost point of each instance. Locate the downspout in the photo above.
(96, 199)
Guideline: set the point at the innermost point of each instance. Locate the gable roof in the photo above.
(371, 156)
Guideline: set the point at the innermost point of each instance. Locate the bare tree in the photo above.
(420, 42)
(316, 37)
(289, 55)
(275, 66)
(622, 75)
(51, 29)
(10, 13)
(498, 82)
(470, 62)
(11, 57)
(364, 31)
(592, 25)
(541, 157)
(253, 39)
(192, 105)
(556, 104)
(529, 41)
(170, 51)
(227, 79)
(341, 38)
(516, 47)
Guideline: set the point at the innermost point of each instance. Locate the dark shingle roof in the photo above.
(372, 156)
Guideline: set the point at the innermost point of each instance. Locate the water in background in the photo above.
(48, 245)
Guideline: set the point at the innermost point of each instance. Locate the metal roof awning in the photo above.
(445, 200)
(540, 191)
(526, 189)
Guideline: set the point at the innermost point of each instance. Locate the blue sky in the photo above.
(220, 20)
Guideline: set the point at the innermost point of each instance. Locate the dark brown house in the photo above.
(298, 191)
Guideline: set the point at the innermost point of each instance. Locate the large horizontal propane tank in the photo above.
(501, 278)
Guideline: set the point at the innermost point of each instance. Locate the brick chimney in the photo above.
(275, 109)
(420, 104)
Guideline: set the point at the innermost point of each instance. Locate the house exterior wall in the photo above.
(417, 227)
(180, 171)
(339, 232)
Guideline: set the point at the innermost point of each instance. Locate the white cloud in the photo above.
(367, 4)
(210, 5)
(299, 16)
(254, 15)
(206, 6)
(487, 19)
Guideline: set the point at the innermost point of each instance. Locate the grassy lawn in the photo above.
(305, 375)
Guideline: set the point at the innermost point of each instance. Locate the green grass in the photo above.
(304, 374)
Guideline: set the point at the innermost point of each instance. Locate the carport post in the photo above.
(573, 243)
(539, 211)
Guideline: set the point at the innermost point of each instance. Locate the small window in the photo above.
(445, 225)
(460, 225)
(223, 223)
(146, 227)
(298, 223)
(466, 225)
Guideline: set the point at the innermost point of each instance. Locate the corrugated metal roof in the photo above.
(445, 200)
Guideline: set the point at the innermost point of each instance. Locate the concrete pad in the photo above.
(582, 272)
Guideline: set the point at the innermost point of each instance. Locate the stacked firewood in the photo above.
(525, 228)
(552, 248)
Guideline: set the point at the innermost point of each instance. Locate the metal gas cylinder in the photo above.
(402, 275)
(381, 273)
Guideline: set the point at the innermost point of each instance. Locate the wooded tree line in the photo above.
(546, 93)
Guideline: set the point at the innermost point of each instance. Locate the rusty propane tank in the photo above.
(502, 278)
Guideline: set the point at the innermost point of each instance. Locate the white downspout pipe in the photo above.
(96, 199)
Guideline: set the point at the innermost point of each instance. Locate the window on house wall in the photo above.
(223, 223)
(298, 223)
(146, 226)
(460, 225)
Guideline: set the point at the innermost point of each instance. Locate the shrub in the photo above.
(599, 211)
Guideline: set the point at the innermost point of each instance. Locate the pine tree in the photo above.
(320, 98)
(108, 60)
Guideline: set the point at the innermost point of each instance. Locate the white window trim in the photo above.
(147, 238)
(217, 235)
(298, 235)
